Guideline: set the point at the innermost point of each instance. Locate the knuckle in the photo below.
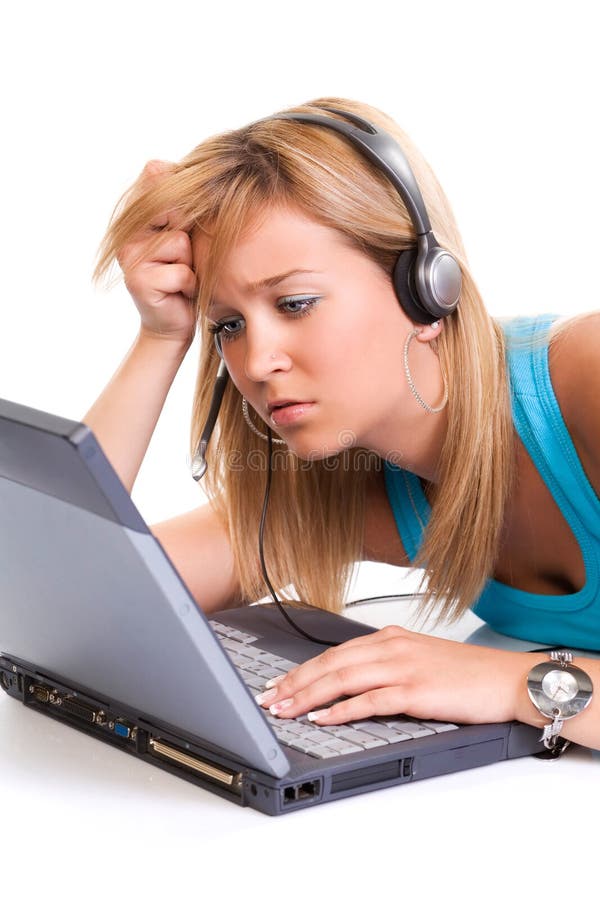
(344, 677)
(324, 659)
(154, 167)
(180, 242)
(370, 698)
(394, 631)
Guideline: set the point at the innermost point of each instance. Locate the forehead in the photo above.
(275, 240)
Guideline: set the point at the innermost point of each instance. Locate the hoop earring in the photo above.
(252, 426)
(411, 384)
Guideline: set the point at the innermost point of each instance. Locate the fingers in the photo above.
(387, 701)
(170, 247)
(361, 683)
(159, 266)
(307, 672)
(150, 177)
(163, 282)
(333, 675)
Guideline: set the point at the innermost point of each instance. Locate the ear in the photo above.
(428, 333)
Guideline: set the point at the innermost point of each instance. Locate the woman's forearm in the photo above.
(125, 414)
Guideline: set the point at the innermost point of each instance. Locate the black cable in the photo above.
(403, 597)
(261, 531)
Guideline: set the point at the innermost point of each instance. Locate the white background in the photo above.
(500, 97)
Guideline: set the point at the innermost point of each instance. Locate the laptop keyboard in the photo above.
(257, 666)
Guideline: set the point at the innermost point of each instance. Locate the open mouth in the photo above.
(290, 411)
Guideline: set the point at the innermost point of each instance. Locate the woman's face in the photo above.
(326, 332)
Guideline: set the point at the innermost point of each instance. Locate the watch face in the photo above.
(559, 685)
(559, 693)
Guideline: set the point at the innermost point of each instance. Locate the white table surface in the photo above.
(80, 818)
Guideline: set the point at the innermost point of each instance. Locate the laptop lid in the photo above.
(88, 594)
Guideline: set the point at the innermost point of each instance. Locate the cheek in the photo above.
(363, 349)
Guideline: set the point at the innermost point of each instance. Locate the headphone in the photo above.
(427, 279)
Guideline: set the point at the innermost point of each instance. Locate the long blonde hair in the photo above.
(315, 523)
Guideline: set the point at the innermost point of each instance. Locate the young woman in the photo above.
(460, 445)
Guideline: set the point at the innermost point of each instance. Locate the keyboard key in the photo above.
(439, 727)
(242, 636)
(285, 737)
(248, 650)
(299, 743)
(269, 658)
(413, 728)
(268, 672)
(286, 664)
(382, 731)
(322, 752)
(368, 741)
(318, 737)
(293, 726)
(342, 747)
(252, 680)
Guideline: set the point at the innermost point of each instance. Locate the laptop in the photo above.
(98, 631)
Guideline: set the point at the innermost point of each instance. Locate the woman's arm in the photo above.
(394, 671)
(198, 545)
(157, 267)
(125, 414)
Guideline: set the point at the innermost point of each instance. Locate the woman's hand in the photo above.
(395, 671)
(159, 276)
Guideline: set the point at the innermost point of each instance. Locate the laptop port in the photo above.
(306, 790)
(230, 780)
(79, 710)
(122, 729)
(39, 692)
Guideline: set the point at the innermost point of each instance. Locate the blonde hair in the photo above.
(314, 531)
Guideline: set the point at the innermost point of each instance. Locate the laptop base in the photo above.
(182, 755)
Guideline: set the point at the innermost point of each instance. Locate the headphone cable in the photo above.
(267, 580)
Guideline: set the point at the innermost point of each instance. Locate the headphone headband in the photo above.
(381, 149)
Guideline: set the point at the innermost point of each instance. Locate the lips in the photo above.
(290, 413)
(278, 404)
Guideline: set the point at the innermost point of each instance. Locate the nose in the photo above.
(264, 355)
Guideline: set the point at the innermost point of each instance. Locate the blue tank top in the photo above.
(571, 620)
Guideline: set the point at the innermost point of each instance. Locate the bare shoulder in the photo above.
(574, 361)
(381, 539)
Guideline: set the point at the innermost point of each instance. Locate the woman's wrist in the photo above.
(525, 711)
(174, 344)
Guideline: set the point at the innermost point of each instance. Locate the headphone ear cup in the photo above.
(406, 292)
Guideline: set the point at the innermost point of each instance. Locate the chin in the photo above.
(312, 451)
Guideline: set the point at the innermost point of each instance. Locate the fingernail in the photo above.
(264, 697)
(278, 707)
(273, 681)
(317, 715)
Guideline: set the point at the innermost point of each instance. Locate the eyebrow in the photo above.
(271, 281)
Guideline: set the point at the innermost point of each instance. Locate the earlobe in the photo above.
(427, 333)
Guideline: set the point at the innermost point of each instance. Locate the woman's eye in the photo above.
(227, 330)
(230, 327)
(301, 303)
(298, 305)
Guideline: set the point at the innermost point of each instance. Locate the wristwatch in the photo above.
(559, 690)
